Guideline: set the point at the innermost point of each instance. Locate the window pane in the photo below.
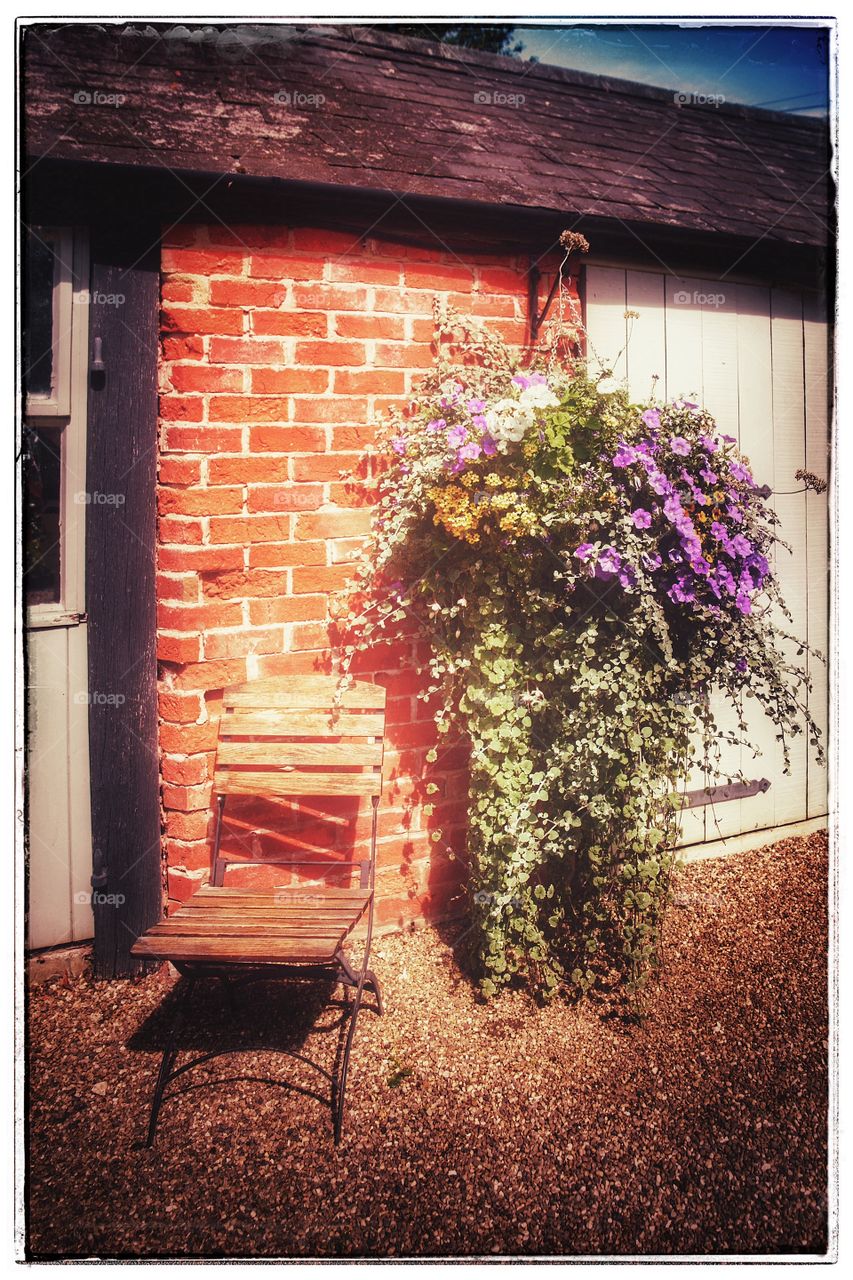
(42, 472)
(39, 271)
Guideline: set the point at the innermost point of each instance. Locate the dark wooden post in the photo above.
(120, 593)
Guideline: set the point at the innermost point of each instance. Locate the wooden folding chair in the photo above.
(281, 738)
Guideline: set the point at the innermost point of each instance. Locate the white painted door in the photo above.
(55, 360)
(757, 358)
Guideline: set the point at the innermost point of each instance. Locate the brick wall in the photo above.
(281, 349)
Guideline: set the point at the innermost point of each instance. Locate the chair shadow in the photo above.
(253, 1015)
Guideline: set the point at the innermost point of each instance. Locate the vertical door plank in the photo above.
(755, 395)
(816, 362)
(647, 342)
(604, 309)
(788, 455)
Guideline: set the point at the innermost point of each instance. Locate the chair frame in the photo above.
(360, 979)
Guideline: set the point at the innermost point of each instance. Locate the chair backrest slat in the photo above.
(290, 737)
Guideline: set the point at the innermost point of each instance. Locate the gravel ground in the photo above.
(472, 1130)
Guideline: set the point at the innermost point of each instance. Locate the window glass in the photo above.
(38, 337)
(42, 510)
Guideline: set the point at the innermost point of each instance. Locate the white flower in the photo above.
(538, 396)
(507, 421)
(606, 385)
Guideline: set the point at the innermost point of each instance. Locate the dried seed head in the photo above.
(573, 241)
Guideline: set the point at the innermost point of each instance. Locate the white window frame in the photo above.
(58, 403)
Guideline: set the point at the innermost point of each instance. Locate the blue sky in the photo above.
(778, 66)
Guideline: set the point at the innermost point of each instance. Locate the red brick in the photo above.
(331, 578)
(483, 304)
(291, 664)
(181, 886)
(173, 529)
(241, 584)
(370, 326)
(183, 349)
(323, 466)
(364, 271)
(287, 497)
(330, 353)
(309, 635)
(282, 555)
(287, 266)
(187, 826)
(333, 524)
(211, 675)
(353, 493)
(189, 771)
(347, 439)
(179, 471)
(404, 355)
(242, 643)
(289, 381)
(331, 297)
(188, 738)
(291, 324)
(400, 301)
(202, 262)
(180, 708)
(244, 469)
(288, 609)
(184, 587)
(369, 382)
(439, 275)
(180, 649)
(194, 377)
(184, 289)
(199, 559)
(177, 319)
(246, 293)
(192, 618)
(200, 501)
(248, 409)
(204, 439)
(318, 239)
(187, 799)
(181, 408)
(247, 350)
(250, 529)
(287, 439)
(339, 409)
(500, 280)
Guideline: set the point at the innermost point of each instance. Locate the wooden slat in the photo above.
(305, 693)
(606, 327)
(186, 927)
(277, 783)
(251, 897)
(235, 950)
(301, 724)
(328, 754)
(647, 345)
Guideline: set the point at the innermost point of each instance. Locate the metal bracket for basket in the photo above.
(718, 795)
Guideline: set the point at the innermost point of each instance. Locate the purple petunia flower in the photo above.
(728, 439)
(437, 424)
(740, 473)
(398, 444)
(584, 551)
(741, 665)
(479, 421)
(708, 444)
(652, 561)
(641, 518)
(627, 577)
(489, 444)
(470, 451)
(719, 531)
(456, 437)
(709, 476)
(741, 545)
(609, 562)
(476, 406)
(624, 456)
(651, 417)
(680, 446)
(743, 602)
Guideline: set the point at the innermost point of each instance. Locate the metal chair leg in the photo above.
(371, 980)
(170, 1055)
(341, 1098)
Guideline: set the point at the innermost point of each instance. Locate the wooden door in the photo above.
(59, 840)
(757, 358)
